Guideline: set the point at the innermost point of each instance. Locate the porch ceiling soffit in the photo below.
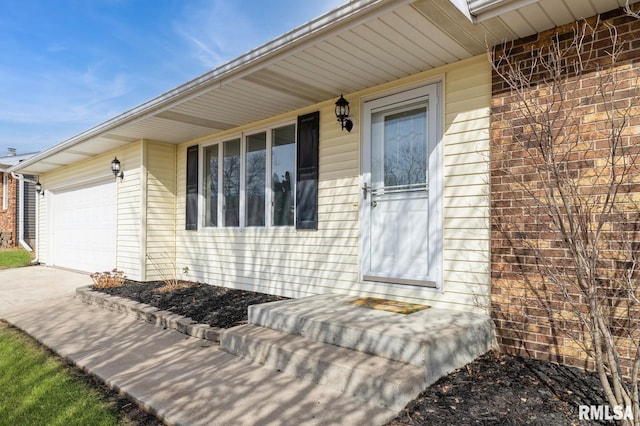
(359, 45)
(78, 152)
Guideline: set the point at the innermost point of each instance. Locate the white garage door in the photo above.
(84, 228)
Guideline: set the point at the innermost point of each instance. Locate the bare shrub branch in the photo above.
(107, 279)
(572, 163)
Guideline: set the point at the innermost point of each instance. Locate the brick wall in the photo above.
(8, 223)
(532, 314)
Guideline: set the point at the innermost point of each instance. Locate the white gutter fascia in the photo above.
(463, 7)
(501, 10)
(332, 22)
(492, 12)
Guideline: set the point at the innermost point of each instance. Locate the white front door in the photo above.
(401, 197)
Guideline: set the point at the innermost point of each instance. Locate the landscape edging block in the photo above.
(148, 313)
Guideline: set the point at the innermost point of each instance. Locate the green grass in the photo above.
(36, 388)
(14, 258)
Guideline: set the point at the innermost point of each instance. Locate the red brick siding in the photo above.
(531, 315)
(8, 224)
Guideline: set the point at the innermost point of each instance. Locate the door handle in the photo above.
(365, 189)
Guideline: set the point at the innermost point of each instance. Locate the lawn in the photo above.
(39, 389)
(14, 258)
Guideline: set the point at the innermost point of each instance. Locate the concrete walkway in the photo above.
(180, 379)
(22, 286)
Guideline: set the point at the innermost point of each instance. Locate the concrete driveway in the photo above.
(22, 286)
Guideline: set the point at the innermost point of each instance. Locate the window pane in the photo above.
(283, 155)
(231, 182)
(256, 164)
(405, 150)
(211, 185)
(400, 157)
(191, 188)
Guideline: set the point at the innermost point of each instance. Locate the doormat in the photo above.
(389, 305)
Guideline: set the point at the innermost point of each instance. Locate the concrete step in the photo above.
(377, 380)
(435, 340)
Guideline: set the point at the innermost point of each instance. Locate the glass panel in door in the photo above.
(399, 202)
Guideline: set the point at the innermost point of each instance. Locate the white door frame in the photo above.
(432, 91)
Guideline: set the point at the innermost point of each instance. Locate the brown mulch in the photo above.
(495, 389)
(501, 389)
(203, 303)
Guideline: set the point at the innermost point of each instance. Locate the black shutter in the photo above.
(191, 210)
(307, 171)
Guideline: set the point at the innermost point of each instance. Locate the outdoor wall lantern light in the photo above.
(115, 168)
(342, 114)
(38, 187)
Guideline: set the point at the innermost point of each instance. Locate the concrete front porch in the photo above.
(381, 357)
(187, 380)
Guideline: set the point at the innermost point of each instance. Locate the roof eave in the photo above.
(331, 22)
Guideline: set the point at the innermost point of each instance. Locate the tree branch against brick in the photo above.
(566, 192)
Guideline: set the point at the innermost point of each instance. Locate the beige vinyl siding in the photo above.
(159, 211)
(300, 263)
(283, 260)
(466, 202)
(129, 233)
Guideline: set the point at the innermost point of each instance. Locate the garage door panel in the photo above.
(84, 228)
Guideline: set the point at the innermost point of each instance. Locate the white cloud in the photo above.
(215, 31)
(219, 31)
(55, 87)
(62, 95)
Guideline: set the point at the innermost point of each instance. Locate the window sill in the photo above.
(257, 230)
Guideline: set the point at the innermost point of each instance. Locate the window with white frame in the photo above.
(5, 191)
(250, 181)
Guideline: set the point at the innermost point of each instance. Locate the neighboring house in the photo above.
(17, 205)
(243, 177)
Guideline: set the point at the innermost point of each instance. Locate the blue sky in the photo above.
(68, 65)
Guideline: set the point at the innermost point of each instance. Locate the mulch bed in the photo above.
(501, 389)
(203, 303)
(495, 389)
